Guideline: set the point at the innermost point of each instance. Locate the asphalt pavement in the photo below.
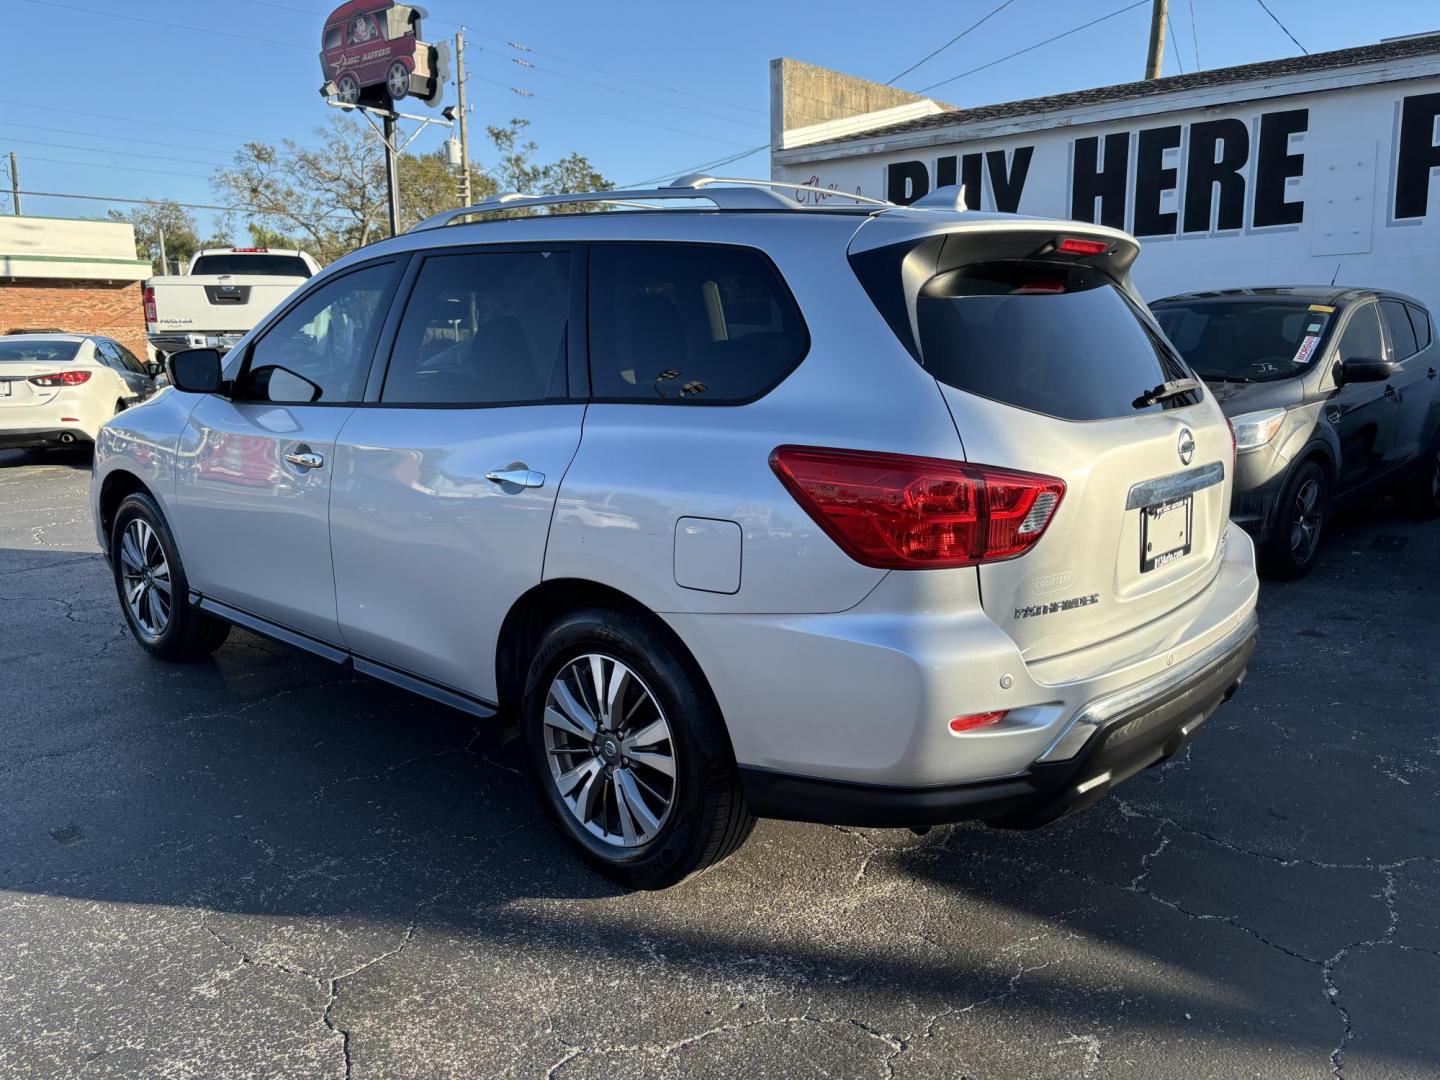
(265, 866)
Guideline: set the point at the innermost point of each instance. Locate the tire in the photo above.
(347, 90)
(693, 820)
(1289, 551)
(398, 79)
(1421, 494)
(174, 631)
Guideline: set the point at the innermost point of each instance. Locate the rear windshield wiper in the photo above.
(1173, 388)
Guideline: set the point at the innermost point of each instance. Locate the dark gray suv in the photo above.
(1331, 391)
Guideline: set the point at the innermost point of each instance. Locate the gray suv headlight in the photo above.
(1256, 428)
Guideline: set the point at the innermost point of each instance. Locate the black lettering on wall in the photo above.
(1274, 164)
(945, 171)
(1153, 179)
(970, 177)
(1418, 155)
(906, 181)
(1006, 189)
(1205, 171)
(1106, 182)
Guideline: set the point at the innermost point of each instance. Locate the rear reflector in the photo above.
(61, 378)
(970, 723)
(899, 512)
(1073, 245)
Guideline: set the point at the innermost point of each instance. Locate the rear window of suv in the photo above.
(266, 265)
(1059, 340)
(689, 324)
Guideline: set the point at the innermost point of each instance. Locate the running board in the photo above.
(283, 634)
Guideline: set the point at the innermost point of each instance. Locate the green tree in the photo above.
(182, 239)
(330, 198)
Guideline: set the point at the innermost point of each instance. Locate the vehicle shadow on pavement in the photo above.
(295, 818)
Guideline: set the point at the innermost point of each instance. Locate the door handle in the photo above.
(519, 477)
(1392, 393)
(1430, 374)
(305, 458)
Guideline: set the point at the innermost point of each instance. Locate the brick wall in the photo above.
(81, 307)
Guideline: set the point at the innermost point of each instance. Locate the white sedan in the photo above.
(57, 389)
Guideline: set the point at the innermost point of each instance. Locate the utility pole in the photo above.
(160, 235)
(465, 197)
(1158, 14)
(15, 180)
(392, 174)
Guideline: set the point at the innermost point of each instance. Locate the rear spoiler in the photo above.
(895, 252)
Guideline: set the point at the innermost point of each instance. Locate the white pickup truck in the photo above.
(223, 293)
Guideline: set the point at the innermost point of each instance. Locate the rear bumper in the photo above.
(43, 437)
(1132, 730)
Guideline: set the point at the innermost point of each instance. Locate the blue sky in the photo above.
(146, 104)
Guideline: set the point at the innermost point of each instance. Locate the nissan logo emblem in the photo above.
(1186, 446)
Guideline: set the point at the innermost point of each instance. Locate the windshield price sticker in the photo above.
(1307, 349)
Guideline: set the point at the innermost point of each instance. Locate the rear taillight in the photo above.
(913, 513)
(150, 305)
(61, 378)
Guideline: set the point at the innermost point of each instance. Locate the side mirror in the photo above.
(196, 371)
(1360, 369)
(154, 368)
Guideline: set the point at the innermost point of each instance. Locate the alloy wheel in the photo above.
(398, 82)
(610, 750)
(1305, 521)
(145, 575)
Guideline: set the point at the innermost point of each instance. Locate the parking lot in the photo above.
(264, 866)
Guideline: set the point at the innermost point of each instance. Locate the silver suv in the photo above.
(856, 514)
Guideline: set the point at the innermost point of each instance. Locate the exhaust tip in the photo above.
(67, 438)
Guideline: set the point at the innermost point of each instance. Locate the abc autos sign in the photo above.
(1345, 176)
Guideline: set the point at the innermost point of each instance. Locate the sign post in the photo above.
(373, 57)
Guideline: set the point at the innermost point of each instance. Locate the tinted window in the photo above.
(1421, 322)
(36, 350)
(689, 324)
(109, 355)
(1065, 343)
(1245, 340)
(326, 340)
(1402, 334)
(332, 37)
(483, 328)
(1361, 340)
(130, 359)
(267, 265)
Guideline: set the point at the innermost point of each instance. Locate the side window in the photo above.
(320, 350)
(689, 324)
(130, 360)
(1361, 340)
(1421, 322)
(332, 37)
(108, 355)
(1402, 334)
(483, 328)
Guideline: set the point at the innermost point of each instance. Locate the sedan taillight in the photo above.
(900, 512)
(61, 378)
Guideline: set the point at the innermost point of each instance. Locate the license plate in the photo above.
(1165, 532)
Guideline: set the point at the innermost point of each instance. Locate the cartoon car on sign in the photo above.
(372, 52)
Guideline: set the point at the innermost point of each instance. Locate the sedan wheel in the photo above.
(145, 576)
(398, 81)
(610, 750)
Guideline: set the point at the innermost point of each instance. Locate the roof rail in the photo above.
(739, 195)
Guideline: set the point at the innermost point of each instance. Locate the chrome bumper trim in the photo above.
(1165, 488)
(1092, 717)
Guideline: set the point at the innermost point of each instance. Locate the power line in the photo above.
(604, 112)
(1174, 42)
(1282, 26)
(1037, 45)
(99, 150)
(930, 56)
(628, 93)
(128, 119)
(103, 135)
(166, 23)
(107, 166)
(146, 202)
(704, 166)
(1194, 37)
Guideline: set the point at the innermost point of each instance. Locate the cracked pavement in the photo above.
(266, 866)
